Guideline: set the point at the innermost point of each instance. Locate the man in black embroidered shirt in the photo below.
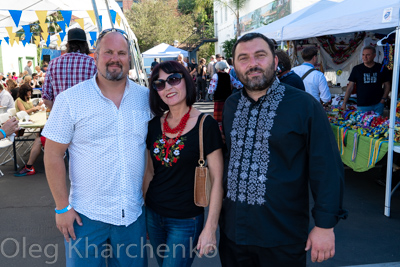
(279, 141)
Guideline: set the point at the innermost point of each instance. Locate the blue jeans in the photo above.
(378, 108)
(173, 241)
(97, 242)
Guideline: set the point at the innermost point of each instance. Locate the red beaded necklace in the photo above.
(178, 129)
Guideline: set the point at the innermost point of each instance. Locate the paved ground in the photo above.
(27, 218)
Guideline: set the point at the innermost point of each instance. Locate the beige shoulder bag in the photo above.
(202, 179)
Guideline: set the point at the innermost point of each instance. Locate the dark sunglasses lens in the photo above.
(159, 85)
(174, 81)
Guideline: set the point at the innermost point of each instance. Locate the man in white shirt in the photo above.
(314, 80)
(103, 123)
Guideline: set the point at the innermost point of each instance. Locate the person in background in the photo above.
(314, 80)
(27, 80)
(14, 76)
(373, 83)
(210, 67)
(28, 67)
(20, 78)
(35, 81)
(39, 72)
(12, 88)
(6, 100)
(284, 72)
(201, 80)
(218, 59)
(3, 79)
(236, 84)
(173, 219)
(23, 102)
(221, 87)
(279, 145)
(181, 60)
(69, 69)
(153, 64)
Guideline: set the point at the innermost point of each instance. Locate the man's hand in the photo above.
(65, 223)
(322, 244)
(10, 126)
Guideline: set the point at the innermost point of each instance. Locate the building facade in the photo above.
(253, 15)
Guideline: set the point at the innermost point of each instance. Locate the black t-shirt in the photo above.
(369, 83)
(294, 80)
(171, 192)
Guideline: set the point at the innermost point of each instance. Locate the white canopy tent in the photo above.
(354, 16)
(164, 50)
(274, 30)
(79, 9)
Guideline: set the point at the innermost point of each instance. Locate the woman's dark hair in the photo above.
(23, 91)
(157, 106)
(75, 46)
(230, 61)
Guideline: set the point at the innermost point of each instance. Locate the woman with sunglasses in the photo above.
(174, 222)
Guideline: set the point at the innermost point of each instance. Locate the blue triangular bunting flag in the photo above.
(24, 42)
(93, 37)
(28, 34)
(48, 41)
(16, 16)
(67, 16)
(62, 35)
(62, 25)
(113, 16)
(7, 40)
(0, 41)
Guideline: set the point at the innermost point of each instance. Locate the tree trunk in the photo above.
(238, 25)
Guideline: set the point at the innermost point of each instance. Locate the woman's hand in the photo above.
(207, 242)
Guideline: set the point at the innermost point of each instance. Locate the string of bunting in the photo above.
(12, 37)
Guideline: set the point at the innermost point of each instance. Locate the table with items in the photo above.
(362, 137)
(35, 123)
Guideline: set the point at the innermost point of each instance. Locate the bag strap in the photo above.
(201, 160)
(308, 72)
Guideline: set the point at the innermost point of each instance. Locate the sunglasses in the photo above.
(104, 32)
(173, 79)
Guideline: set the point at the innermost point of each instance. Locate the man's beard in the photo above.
(259, 83)
(115, 75)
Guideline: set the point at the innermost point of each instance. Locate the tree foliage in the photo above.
(206, 50)
(155, 22)
(227, 47)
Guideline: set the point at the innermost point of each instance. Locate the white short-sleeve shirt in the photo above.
(315, 82)
(107, 149)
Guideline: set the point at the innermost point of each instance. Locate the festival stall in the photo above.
(354, 21)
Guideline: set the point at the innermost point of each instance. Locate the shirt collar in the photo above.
(308, 64)
(97, 88)
(261, 99)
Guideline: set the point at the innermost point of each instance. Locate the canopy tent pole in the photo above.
(392, 120)
(109, 14)
(96, 12)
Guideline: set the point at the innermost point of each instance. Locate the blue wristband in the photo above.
(67, 208)
(3, 132)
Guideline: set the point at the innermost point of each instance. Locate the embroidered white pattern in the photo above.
(249, 157)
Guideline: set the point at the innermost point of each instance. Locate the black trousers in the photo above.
(233, 255)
